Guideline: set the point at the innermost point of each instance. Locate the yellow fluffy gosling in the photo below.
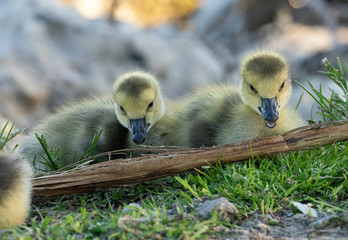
(125, 119)
(15, 189)
(221, 114)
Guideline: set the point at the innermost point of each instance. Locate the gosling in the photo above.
(221, 114)
(15, 189)
(125, 120)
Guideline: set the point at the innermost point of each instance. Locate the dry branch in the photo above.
(122, 172)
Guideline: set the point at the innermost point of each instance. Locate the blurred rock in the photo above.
(213, 18)
(179, 59)
(314, 62)
(50, 55)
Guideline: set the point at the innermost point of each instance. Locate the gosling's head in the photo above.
(138, 103)
(266, 86)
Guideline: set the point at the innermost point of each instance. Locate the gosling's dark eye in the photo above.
(282, 86)
(122, 109)
(150, 105)
(252, 88)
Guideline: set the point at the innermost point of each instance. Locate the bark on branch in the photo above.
(122, 172)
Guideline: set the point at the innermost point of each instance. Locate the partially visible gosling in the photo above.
(125, 119)
(220, 114)
(15, 189)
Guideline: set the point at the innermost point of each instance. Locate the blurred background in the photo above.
(53, 52)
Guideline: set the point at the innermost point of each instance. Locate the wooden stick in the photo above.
(122, 172)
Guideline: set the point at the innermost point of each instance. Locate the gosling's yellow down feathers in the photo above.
(125, 118)
(15, 189)
(222, 114)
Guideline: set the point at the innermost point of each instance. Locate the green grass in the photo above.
(316, 177)
(335, 107)
(53, 160)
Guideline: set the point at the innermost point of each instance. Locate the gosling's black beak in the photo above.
(269, 111)
(138, 129)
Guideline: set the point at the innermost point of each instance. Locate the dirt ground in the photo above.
(285, 225)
